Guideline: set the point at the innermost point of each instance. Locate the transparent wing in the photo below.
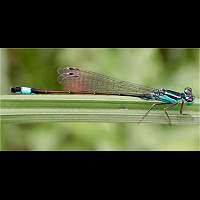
(79, 81)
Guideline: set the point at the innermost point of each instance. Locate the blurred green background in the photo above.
(169, 68)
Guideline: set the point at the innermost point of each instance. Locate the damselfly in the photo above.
(77, 81)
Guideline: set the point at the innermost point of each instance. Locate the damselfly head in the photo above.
(188, 95)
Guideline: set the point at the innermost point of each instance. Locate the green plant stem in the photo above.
(89, 108)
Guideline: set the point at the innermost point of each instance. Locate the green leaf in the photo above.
(89, 108)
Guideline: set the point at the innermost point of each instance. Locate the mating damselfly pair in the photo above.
(77, 81)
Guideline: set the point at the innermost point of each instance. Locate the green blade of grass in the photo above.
(89, 108)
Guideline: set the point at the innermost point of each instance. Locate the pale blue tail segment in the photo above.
(25, 90)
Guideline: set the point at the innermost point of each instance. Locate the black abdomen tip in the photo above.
(15, 89)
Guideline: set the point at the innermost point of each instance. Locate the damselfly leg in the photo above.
(155, 104)
(165, 109)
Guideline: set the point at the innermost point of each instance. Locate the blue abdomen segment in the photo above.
(25, 90)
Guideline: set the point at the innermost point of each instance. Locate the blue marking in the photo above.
(167, 99)
(25, 90)
(173, 95)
